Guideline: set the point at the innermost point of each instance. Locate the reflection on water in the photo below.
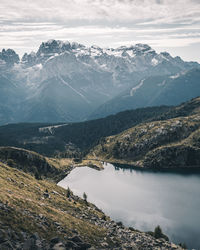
(144, 199)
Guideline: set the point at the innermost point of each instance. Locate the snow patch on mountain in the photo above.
(67, 80)
(154, 61)
(162, 83)
(133, 90)
(76, 91)
(51, 129)
(175, 76)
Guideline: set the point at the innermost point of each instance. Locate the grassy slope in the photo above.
(28, 205)
(82, 136)
(165, 143)
(22, 193)
(77, 139)
(33, 163)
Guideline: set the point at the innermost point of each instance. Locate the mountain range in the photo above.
(152, 137)
(154, 91)
(69, 82)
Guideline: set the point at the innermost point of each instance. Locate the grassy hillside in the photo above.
(158, 144)
(31, 208)
(33, 163)
(38, 214)
(74, 138)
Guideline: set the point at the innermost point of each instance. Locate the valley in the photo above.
(156, 137)
(159, 139)
(35, 213)
(59, 112)
(99, 125)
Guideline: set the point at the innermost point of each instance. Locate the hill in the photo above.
(76, 139)
(35, 164)
(166, 143)
(73, 139)
(38, 214)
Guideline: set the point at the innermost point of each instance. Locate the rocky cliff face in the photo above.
(161, 144)
(9, 57)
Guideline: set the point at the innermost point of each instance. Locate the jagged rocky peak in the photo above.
(136, 47)
(29, 58)
(96, 47)
(142, 47)
(9, 56)
(52, 47)
(166, 55)
(136, 50)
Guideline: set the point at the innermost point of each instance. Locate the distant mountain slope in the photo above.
(168, 143)
(154, 91)
(50, 139)
(66, 82)
(76, 139)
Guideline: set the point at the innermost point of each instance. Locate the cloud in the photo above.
(112, 10)
(24, 24)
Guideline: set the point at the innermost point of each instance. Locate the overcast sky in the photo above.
(166, 25)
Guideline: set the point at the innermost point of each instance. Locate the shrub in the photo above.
(183, 245)
(68, 192)
(85, 197)
(158, 232)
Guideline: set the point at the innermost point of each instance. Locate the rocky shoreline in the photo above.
(60, 220)
(117, 236)
(122, 237)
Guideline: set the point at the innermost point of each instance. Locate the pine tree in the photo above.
(158, 232)
(85, 197)
(68, 192)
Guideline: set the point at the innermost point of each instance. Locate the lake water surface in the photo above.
(144, 199)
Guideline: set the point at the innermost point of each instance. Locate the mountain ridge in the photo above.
(165, 143)
(66, 82)
(154, 91)
(77, 139)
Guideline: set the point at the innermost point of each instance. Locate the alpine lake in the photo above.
(144, 199)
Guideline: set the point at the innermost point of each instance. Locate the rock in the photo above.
(7, 245)
(57, 224)
(3, 237)
(46, 195)
(55, 240)
(76, 239)
(71, 244)
(173, 246)
(84, 246)
(29, 244)
(74, 231)
(55, 192)
(59, 246)
(104, 244)
(35, 236)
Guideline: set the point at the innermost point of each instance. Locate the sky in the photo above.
(166, 25)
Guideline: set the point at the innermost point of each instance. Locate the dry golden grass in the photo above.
(93, 163)
(22, 193)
